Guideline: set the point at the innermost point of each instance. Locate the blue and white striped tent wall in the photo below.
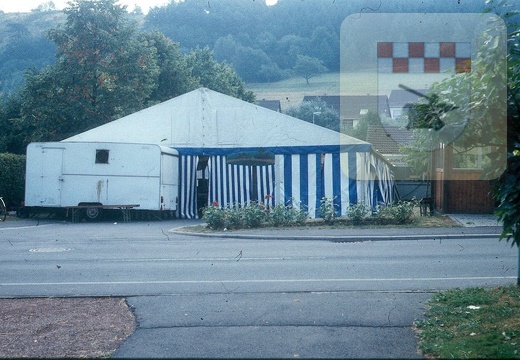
(347, 178)
(187, 206)
(231, 185)
(299, 179)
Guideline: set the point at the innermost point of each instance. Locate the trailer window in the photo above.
(101, 156)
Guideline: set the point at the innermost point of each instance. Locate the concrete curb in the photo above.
(335, 238)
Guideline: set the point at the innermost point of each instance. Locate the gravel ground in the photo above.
(63, 327)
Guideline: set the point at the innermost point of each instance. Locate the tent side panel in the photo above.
(302, 181)
(231, 184)
(188, 187)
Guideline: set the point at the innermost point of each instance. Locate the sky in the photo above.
(28, 5)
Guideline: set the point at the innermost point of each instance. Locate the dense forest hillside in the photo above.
(263, 43)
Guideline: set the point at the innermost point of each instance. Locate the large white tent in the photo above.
(308, 162)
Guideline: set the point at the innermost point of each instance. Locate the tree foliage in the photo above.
(276, 35)
(316, 112)
(308, 67)
(273, 34)
(466, 111)
(12, 179)
(507, 191)
(216, 76)
(105, 69)
(360, 131)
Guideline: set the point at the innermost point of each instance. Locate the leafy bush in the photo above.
(287, 215)
(233, 218)
(297, 215)
(400, 212)
(328, 210)
(251, 215)
(12, 179)
(254, 214)
(278, 215)
(358, 212)
(507, 194)
(214, 216)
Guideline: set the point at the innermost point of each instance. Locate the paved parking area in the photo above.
(475, 220)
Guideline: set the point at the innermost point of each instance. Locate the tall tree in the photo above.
(103, 71)
(216, 76)
(174, 76)
(308, 67)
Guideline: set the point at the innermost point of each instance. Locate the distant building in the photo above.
(399, 98)
(386, 140)
(352, 107)
(274, 105)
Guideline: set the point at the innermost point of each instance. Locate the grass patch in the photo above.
(291, 91)
(472, 323)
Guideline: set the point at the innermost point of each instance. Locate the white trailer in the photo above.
(88, 177)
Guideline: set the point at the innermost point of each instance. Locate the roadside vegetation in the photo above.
(472, 323)
(258, 215)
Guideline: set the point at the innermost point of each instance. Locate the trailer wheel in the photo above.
(93, 213)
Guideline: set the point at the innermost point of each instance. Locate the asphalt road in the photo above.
(210, 297)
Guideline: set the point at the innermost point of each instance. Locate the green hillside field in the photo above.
(291, 91)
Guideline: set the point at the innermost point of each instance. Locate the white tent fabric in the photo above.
(207, 119)
(311, 162)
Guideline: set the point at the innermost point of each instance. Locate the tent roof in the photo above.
(207, 119)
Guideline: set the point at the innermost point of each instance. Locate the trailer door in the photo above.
(52, 179)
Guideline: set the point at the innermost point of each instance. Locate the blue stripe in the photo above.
(304, 181)
(287, 178)
(352, 174)
(336, 180)
(320, 180)
(279, 150)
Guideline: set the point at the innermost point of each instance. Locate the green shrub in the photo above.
(233, 218)
(278, 215)
(328, 210)
(358, 212)
(297, 215)
(12, 179)
(400, 212)
(254, 215)
(214, 216)
(287, 215)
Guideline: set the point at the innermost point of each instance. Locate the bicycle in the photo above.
(3, 209)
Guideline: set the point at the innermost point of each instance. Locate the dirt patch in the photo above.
(63, 327)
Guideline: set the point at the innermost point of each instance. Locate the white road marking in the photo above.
(253, 281)
(25, 227)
